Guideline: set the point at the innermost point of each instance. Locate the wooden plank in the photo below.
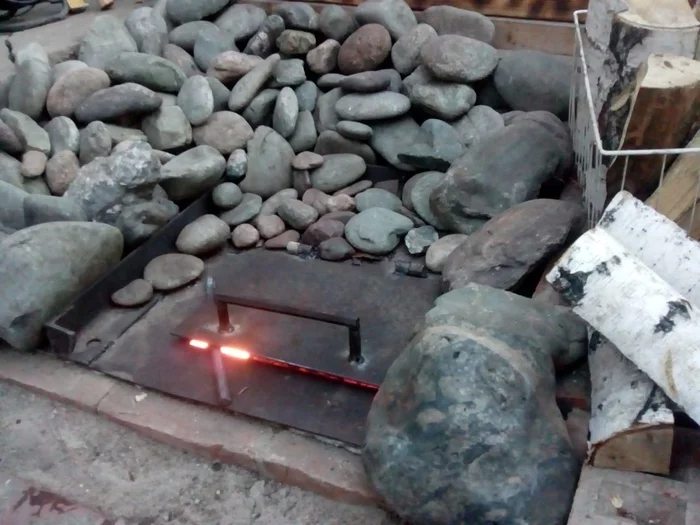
(551, 10)
(511, 33)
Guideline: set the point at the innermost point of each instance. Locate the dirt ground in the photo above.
(103, 466)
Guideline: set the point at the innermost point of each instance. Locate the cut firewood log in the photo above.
(652, 324)
(678, 196)
(660, 110)
(656, 241)
(620, 35)
(631, 425)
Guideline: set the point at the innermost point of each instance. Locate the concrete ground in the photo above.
(113, 470)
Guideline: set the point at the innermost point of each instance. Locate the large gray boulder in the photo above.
(45, 267)
(465, 427)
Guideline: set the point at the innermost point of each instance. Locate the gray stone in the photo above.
(395, 15)
(295, 42)
(220, 92)
(9, 143)
(289, 73)
(209, 44)
(437, 150)
(306, 93)
(172, 270)
(181, 59)
(44, 268)
(183, 11)
(286, 112)
(193, 172)
(304, 136)
(247, 209)
(281, 241)
(337, 23)
(445, 100)
(70, 90)
(224, 130)
(330, 142)
(307, 160)
(512, 245)
(136, 293)
(495, 174)
(324, 58)
(61, 171)
(371, 81)
(377, 198)
(377, 231)
(471, 370)
(488, 95)
(196, 100)
(237, 165)
(33, 164)
(31, 82)
(148, 29)
(441, 249)
(95, 141)
(296, 214)
(28, 132)
(227, 195)
(264, 42)
(457, 58)
(117, 101)
(373, 106)
(535, 81)
(47, 208)
(391, 137)
(11, 171)
(341, 216)
(269, 226)
(418, 240)
(480, 123)
(271, 204)
(120, 134)
(338, 170)
(420, 198)
(354, 130)
(104, 39)
(12, 206)
(405, 53)
(449, 20)
(203, 235)
(355, 188)
(298, 15)
(419, 77)
(335, 249)
(63, 134)
(245, 236)
(301, 181)
(36, 186)
(168, 128)
(122, 190)
(408, 188)
(260, 109)
(184, 36)
(325, 114)
(63, 68)
(321, 231)
(329, 81)
(241, 21)
(247, 87)
(269, 163)
(150, 71)
(316, 199)
(364, 50)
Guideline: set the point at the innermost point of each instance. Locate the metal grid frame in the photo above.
(587, 143)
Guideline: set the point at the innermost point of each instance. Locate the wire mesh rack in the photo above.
(592, 159)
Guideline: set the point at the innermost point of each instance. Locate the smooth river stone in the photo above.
(372, 106)
(173, 270)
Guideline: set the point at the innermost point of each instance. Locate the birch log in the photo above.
(619, 37)
(653, 325)
(631, 426)
(660, 111)
(677, 197)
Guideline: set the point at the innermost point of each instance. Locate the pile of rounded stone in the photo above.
(289, 108)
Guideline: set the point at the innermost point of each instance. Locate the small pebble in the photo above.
(245, 236)
(33, 164)
(136, 293)
(227, 195)
(280, 242)
(307, 160)
(269, 226)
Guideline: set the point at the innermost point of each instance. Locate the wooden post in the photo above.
(653, 325)
(631, 426)
(679, 193)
